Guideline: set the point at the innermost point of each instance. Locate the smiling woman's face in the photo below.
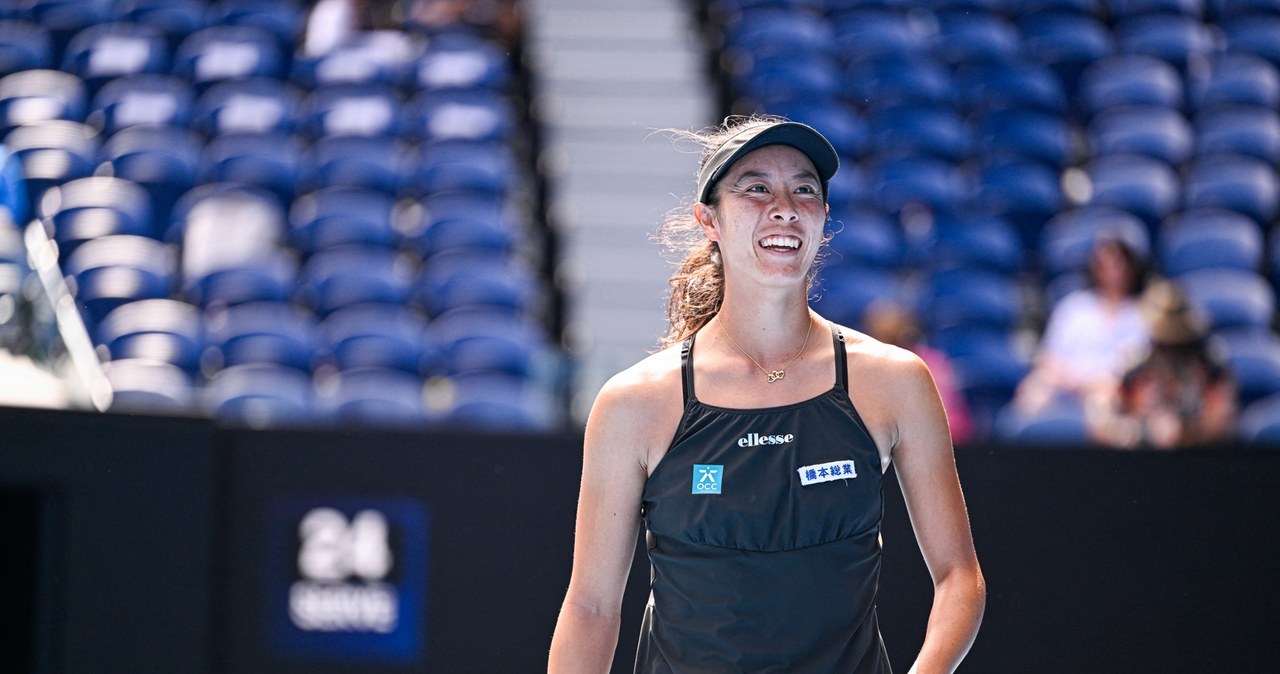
(769, 214)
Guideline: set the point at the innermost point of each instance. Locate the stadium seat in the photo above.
(463, 61)
(271, 161)
(1253, 34)
(988, 379)
(1027, 193)
(1021, 84)
(337, 216)
(379, 336)
(969, 297)
(88, 208)
(772, 81)
(1231, 298)
(264, 332)
(461, 165)
(141, 100)
(448, 232)
(231, 240)
(52, 153)
(253, 105)
(965, 36)
(353, 109)
(175, 19)
(164, 330)
(24, 46)
(1123, 9)
(1236, 182)
(228, 52)
(65, 18)
(1042, 136)
(1254, 360)
(1207, 239)
(496, 403)
(870, 34)
(482, 340)
(260, 395)
(1068, 238)
(340, 277)
(465, 280)
(34, 96)
(111, 271)
(920, 130)
(841, 125)
(282, 19)
(109, 50)
(382, 56)
(1250, 131)
(1059, 426)
(149, 386)
(937, 184)
(164, 160)
(374, 397)
(1235, 79)
(1178, 39)
(1259, 423)
(918, 80)
(375, 163)
(474, 115)
(1066, 42)
(270, 276)
(1153, 131)
(1130, 79)
(1146, 187)
(865, 237)
(986, 242)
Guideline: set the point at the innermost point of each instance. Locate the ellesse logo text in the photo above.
(755, 440)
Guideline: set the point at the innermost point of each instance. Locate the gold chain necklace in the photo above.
(773, 375)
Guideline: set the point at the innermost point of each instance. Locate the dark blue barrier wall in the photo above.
(169, 545)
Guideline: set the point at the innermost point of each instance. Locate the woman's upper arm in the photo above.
(925, 464)
(613, 478)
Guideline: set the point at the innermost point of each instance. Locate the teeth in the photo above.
(780, 242)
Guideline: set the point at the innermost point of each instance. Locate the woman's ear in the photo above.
(706, 216)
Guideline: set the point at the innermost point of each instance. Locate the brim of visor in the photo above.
(794, 134)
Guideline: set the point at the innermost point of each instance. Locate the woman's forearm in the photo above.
(958, 604)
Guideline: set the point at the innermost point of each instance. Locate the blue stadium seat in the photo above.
(384, 57)
(65, 18)
(243, 211)
(374, 397)
(1224, 9)
(1059, 426)
(52, 153)
(271, 161)
(1025, 192)
(866, 34)
(1253, 357)
(164, 160)
(376, 163)
(1231, 298)
(850, 188)
(1245, 130)
(984, 242)
(338, 216)
(1236, 182)
(968, 36)
(474, 115)
(268, 276)
(937, 184)
(24, 46)
(1235, 79)
(1022, 84)
(496, 403)
(1209, 238)
(1153, 131)
(1042, 136)
(1178, 39)
(969, 297)
(1253, 34)
(228, 52)
(253, 105)
(841, 125)
(772, 81)
(1089, 7)
(340, 277)
(865, 237)
(920, 130)
(163, 330)
(482, 340)
(1260, 422)
(988, 378)
(141, 100)
(1069, 237)
(456, 281)
(766, 32)
(149, 386)
(463, 61)
(461, 165)
(379, 336)
(1130, 79)
(111, 271)
(1146, 187)
(176, 19)
(917, 80)
(260, 395)
(284, 20)
(457, 231)
(1066, 42)
(1122, 9)
(279, 334)
(231, 239)
(105, 51)
(34, 96)
(354, 109)
(88, 208)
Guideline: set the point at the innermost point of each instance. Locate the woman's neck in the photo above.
(767, 328)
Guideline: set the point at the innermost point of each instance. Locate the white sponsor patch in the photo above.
(826, 472)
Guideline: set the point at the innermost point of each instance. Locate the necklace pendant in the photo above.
(776, 375)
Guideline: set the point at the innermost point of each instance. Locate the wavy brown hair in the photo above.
(697, 285)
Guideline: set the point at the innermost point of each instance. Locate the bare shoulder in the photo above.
(887, 364)
(641, 406)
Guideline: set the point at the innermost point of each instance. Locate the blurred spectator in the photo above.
(894, 324)
(498, 19)
(1092, 334)
(332, 22)
(1180, 394)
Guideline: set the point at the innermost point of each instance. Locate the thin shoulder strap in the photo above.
(842, 359)
(686, 368)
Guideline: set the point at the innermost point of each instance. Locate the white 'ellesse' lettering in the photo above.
(755, 440)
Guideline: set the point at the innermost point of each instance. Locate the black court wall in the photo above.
(138, 544)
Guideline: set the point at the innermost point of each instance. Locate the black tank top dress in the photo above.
(763, 531)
